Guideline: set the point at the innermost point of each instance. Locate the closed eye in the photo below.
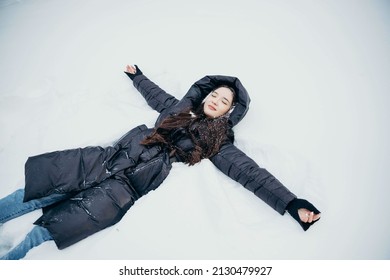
(225, 101)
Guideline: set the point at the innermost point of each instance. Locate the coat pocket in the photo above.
(147, 176)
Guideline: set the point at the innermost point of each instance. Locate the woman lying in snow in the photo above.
(85, 190)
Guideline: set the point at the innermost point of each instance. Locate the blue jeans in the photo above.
(12, 206)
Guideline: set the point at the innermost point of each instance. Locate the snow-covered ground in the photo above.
(318, 75)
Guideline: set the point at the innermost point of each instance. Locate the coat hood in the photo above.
(199, 91)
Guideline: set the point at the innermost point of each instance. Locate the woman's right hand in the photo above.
(131, 69)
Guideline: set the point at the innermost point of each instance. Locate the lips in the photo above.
(212, 108)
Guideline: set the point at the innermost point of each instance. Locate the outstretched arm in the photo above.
(241, 168)
(156, 97)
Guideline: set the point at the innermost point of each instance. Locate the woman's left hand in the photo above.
(307, 216)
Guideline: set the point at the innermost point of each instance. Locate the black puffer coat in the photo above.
(101, 184)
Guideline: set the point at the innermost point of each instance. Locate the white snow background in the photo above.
(318, 76)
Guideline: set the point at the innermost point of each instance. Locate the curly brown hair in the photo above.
(207, 134)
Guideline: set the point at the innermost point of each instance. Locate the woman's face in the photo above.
(218, 102)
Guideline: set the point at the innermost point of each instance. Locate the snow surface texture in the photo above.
(318, 75)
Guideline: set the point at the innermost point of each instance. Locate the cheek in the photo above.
(206, 110)
(224, 109)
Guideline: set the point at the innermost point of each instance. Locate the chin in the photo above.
(209, 113)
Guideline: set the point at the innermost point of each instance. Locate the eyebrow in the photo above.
(222, 97)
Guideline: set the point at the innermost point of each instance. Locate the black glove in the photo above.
(296, 204)
(137, 73)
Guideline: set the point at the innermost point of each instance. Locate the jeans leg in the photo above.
(35, 237)
(12, 206)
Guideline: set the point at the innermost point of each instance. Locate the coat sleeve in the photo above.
(156, 97)
(241, 168)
